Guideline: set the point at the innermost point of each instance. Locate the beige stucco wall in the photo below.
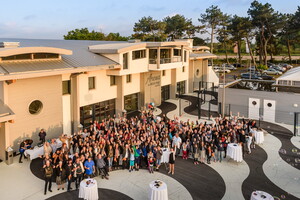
(152, 87)
(133, 86)
(166, 80)
(103, 91)
(66, 104)
(20, 94)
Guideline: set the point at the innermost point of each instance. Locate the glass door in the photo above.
(296, 124)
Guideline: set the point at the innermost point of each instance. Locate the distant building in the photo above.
(59, 84)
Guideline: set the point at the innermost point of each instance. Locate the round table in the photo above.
(165, 156)
(88, 192)
(234, 151)
(260, 195)
(158, 193)
(259, 137)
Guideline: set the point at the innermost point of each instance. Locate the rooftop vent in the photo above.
(134, 41)
(9, 44)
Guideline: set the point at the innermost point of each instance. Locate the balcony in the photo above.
(165, 60)
(165, 63)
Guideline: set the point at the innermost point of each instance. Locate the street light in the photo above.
(223, 98)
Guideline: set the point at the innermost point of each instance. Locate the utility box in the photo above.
(9, 156)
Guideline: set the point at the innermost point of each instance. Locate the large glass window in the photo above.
(152, 56)
(97, 112)
(45, 55)
(18, 57)
(138, 54)
(181, 87)
(131, 102)
(125, 61)
(165, 56)
(66, 87)
(177, 52)
(165, 92)
(92, 83)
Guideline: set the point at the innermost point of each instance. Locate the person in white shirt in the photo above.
(176, 143)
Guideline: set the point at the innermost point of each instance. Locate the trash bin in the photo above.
(9, 156)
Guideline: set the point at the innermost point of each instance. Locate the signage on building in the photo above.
(153, 80)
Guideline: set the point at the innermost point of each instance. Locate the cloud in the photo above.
(29, 17)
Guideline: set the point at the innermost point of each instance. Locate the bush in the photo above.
(262, 67)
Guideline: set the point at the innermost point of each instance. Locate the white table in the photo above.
(158, 193)
(35, 152)
(234, 151)
(260, 195)
(165, 156)
(259, 137)
(88, 192)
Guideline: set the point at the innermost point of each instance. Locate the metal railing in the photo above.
(165, 60)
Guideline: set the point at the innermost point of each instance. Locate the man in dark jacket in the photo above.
(48, 170)
(42, 135)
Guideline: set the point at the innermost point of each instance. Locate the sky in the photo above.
(51, 19)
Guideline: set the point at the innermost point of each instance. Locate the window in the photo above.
(128, 78)
(112, 80)
(138, 54)
(35, 107)
(177, 52)
(163, 72)
(183, 69)
(125, 61)
(18, 57)
(185, 56)
(45, 56)
(131, 102)
(92, 84)
(66, 87)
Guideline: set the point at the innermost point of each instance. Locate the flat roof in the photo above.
(201, 55)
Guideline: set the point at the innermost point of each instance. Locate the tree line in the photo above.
(264, 31)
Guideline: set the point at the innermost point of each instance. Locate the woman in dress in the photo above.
(202, 152)
(60, 176)
(196, 154)
(171, 161)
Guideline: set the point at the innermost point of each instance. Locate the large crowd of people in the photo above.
(138, 142)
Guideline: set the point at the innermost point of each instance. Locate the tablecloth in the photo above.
(259, 137)
(35, 152)
(234, 151)
(165, 156)
(160, 193)
(39, 151)
(88, 192)
(260, 195)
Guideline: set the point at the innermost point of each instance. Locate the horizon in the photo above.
(29, 21)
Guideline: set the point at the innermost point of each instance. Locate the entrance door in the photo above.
(165, 93)
(253, 108)
(269, 110)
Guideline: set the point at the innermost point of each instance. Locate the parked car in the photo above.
(287, 66)
(238, 65)
(221, 69)
(228, 66)
(271, 71)
(266, 77)
(250, 76)
(278, 68)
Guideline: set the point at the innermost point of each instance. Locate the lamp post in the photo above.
(223, 96)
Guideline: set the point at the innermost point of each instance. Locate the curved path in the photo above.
(166, 107)
(103, 194)
(279, 171)
(288, 151)
(233, 174)
(257, 179)
(189, 181)
(192, 109)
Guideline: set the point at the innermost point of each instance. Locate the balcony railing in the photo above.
(165, 60)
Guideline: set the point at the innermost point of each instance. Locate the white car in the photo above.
(272, 71)
(228, 66)
(220, 70)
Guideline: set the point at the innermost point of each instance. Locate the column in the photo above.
(158, 57)
(120, 94)
(75, 102)
(173, 87)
